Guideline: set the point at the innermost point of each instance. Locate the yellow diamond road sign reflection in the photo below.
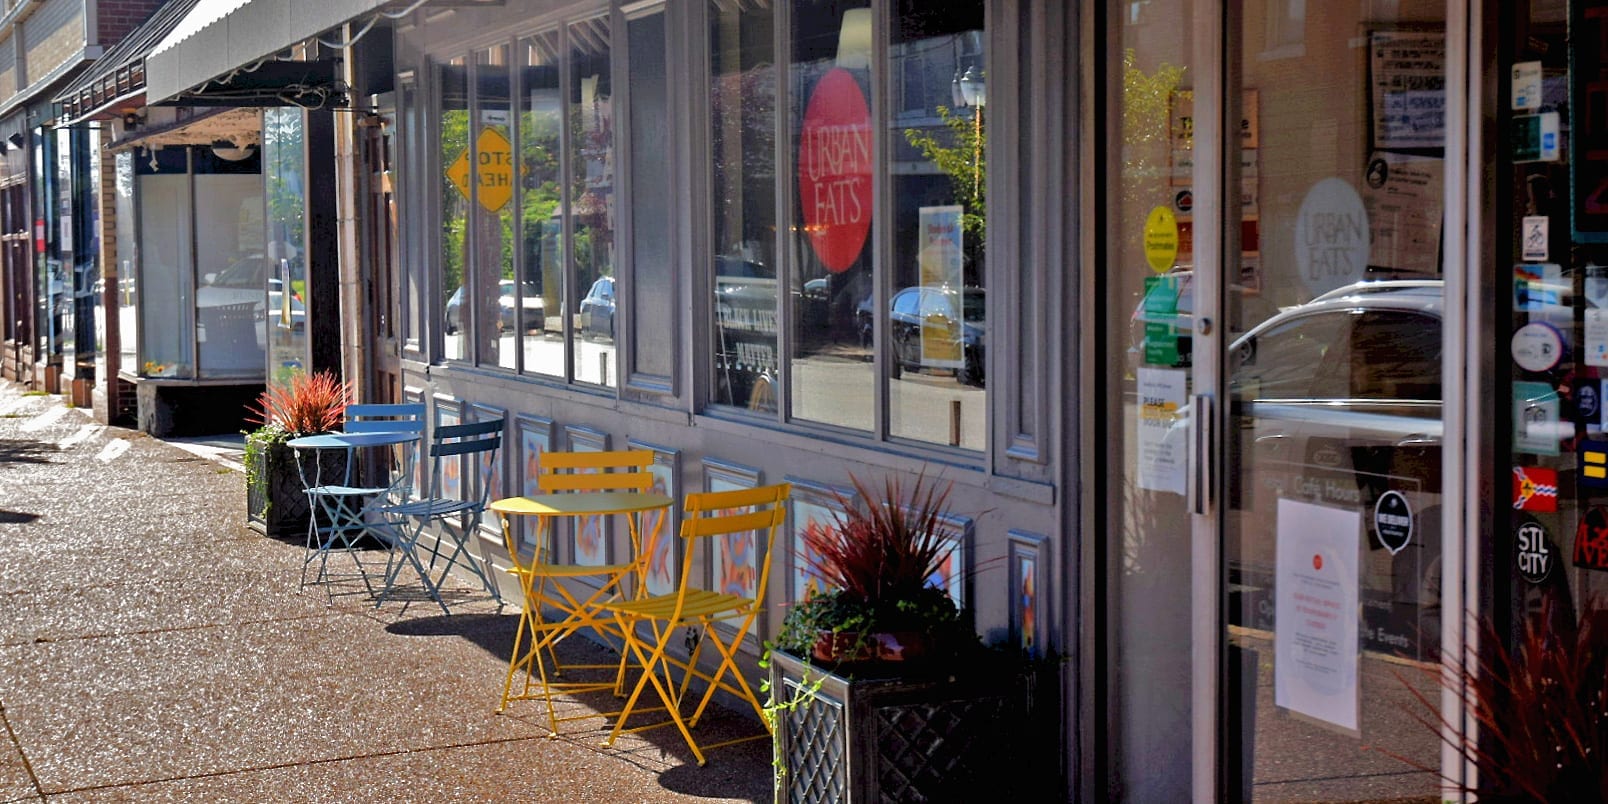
(495, 171)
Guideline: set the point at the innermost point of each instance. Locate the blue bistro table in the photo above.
(344, 509)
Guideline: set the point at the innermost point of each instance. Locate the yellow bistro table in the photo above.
(542, 585)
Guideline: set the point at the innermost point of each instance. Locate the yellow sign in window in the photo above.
(495, 170)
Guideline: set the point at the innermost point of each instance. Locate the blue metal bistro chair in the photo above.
(389, 417)
(442, 526)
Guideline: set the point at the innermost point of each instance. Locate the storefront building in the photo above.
(1095, 264)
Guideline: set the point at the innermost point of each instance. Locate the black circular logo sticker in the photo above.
(1533, 555)
(1393, 521)
(1184, 200)
(1586, 401)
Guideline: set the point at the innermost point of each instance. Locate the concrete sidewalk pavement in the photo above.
(157, 649)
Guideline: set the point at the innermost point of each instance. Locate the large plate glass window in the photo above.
(742, 101)
(936, 318)
(452, 121)
(831, 234)
(541, 194)
(591, 202)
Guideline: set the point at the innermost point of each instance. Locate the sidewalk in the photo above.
(156, 649)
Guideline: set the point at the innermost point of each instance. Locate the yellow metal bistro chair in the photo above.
(711, 514)
(574, 485)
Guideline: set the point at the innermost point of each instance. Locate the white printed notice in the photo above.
(1163, 442)
(1315, 663)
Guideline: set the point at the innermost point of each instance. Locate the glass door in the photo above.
(1274, 268)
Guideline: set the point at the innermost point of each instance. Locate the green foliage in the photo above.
(963, 158)
(877, 561)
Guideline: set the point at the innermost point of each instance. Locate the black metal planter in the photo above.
(962, 734)
(276, 502)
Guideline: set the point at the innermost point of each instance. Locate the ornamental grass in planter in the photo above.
(880, 689)
(1541, 708)
(877, 565)
(308, 405)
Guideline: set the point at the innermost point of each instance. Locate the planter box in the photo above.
(276, 501)
(955, 734)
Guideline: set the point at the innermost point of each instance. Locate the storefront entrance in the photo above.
(1276, 274)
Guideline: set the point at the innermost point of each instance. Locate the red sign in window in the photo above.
(834, 170)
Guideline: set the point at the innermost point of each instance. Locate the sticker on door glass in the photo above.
(1163, 450)
(1535, 488)
(1591, 539)
(1393, 521)
(1596, 337)
(1537, 346)
(1592, 466)
(1536, 425)
(1533, 553)
(1537, 288)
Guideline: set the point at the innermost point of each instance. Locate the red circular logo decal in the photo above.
(834, 170)
(1317, 561)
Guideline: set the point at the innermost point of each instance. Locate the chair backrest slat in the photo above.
(370, 417)
(698, 526)
(609, 470)
(713, 513)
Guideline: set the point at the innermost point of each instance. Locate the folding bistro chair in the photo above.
(574, 485)
(712, 514)
(388, 417)
(342, 506)
(453, 521)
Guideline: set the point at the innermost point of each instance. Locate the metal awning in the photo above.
(119, 74)
(219, 37)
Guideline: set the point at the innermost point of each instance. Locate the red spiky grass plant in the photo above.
(310, 403)
(877, 563)
(1541, 707)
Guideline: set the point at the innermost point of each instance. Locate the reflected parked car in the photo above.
(249, 280)
(937, 327)
(597, 310)
(507, 301)
(1336, 402)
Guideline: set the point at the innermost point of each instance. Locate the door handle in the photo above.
(1202, 424)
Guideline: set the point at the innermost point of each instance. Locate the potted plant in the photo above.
(308, 404)
(1540, 703)
(879, 686)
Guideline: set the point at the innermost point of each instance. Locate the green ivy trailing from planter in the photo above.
(259, 443)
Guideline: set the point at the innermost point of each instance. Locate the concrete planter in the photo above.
(943, 734)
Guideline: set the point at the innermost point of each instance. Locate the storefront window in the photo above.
(284, 160)
(496, 294)
(831, 233)
(936, 315)
(590, 205)
(128, 256)
(166, 279)
(656, 294)
(541, 224)
(452, 118)
(742, 100)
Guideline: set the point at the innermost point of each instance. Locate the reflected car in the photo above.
(507, 301)
(1335, 402)
(938, 319)
(249, 280)
(596, 316)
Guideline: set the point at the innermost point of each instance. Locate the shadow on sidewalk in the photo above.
(17, 450)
